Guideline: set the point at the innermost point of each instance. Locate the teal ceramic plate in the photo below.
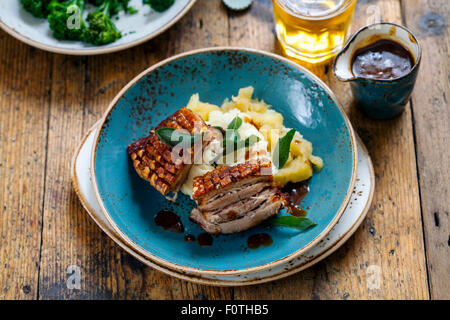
(130, 203)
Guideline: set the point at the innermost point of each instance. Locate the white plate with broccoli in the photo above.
(89, 27)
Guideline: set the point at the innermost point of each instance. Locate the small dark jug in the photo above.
(379, 98)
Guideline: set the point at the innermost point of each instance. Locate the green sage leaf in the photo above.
(251, 140)
(237, 145)
(166, 136)
(235, 124)
(281, 152)
(299, 223)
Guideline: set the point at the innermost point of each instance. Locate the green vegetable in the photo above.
(232, 133)
(241, 143)
(37, 8)
(116, 6)
(96, 2)
(231, 136)
(159, 5)
(281, 152)
(237, 145)
(251, 140)
(167, 136)
(299, 223)
(66, 19)
(235, 124)
(218, 128)
(101, 29)
(127, 8)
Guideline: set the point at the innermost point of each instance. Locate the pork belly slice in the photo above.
(152, 158)
(234, 199)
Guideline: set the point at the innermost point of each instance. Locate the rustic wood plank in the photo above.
(81, 93)
(24, 106)
(390, 239)
(391, 236)
(254, 27)
(429, 20)
(63, 221)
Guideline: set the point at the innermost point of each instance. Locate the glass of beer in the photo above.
(313, 30)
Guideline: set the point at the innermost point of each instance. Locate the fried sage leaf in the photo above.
(251, 140)
(235, 124)
(168, 136)
(281, 152)
(240, 144)
(299, 223)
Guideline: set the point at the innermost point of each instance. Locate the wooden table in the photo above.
(48, 101)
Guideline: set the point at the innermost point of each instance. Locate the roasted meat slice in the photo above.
(153, 159)
(234, 199)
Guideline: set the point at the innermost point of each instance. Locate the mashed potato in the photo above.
(259, 120)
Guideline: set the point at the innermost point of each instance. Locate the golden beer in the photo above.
(313, 30)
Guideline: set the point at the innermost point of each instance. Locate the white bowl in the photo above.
(136, 28)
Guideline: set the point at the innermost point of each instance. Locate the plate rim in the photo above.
(96, 50)
(213, 282)
(193, 270)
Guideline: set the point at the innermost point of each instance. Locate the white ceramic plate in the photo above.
(136, 28)
(347, 225)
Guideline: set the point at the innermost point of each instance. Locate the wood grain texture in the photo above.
(80, 95)
(62, 243)
(49, 101)
(390, 239)
(24, 105)
(429, 20)
(391, 236)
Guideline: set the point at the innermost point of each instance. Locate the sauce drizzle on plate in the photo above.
(259, 239)
(204, 240)
(169, 221)
(189, 237)
(297, 192)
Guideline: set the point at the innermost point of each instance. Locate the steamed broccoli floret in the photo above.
(159, 5)
(126, 7)
(66, 19)
(117, 5)
(96, 2)
(101, 29)
(114, 5)
(37, 8)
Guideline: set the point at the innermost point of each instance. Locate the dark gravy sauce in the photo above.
(205, 240)
(384, 59)
(169, 221)
(259, 239)
(297, 192)
(189, 238)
